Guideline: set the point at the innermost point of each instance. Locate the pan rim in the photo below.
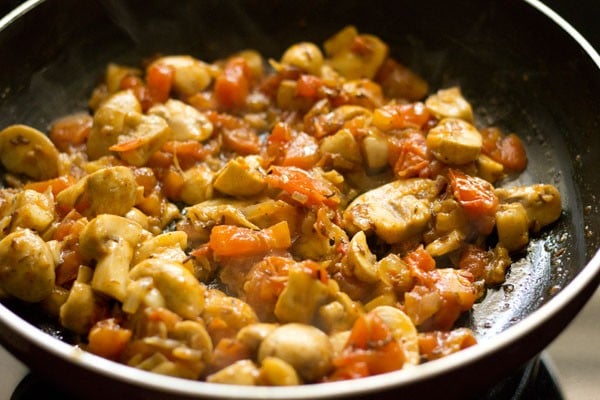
(588, 275)
(397, 379)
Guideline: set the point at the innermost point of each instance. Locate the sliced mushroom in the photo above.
(395, 211)
(110, 241)
(252, 335)
(110, 121)
(166, 246)
(182, 292)
(343, 148)
(110, 190)
(450, 103)
(355, 56)
(185, 121)
(241, 177)
(141, 138)
(361, 259)
(242, 372)
(403, 329)
(541, 201)
(276, 372)
(25, 150)
(190, 75)
(32, 210)
(454, 141)
(302, 296)
(375, 150)
(78, 313)
(512, 225)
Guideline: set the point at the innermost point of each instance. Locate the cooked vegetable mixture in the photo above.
(266, 222)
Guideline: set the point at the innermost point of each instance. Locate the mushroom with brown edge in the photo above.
(110, 190)
(25, 150)
(110, 241)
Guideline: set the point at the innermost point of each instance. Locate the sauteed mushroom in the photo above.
(289, 222)
(26, 266)
(25, 150)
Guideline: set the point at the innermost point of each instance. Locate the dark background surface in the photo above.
(584, 15)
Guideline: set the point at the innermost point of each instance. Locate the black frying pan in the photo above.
(520, 69)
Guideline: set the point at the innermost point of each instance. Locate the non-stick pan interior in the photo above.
(516, 66)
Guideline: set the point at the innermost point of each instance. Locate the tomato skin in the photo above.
(302, 186)
(233, 85)
(370, 350)
(71, 131)
(187, 153)
(56, 185)
(139, 89)
(289, 148)
(107, 339)
(477, 198)
(241, 140)
(236, 241)
(159, 80)
(309, 86)
(508, 150)
(420, 263)
(409, 155)
(438, 344)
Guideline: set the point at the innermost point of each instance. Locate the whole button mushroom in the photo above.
(26, 266)
(304, 347)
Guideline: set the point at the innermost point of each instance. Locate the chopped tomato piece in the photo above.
(71, 131)
(56, 185)
(457, 293)
(233, 85)
(172, 181)
(159, 80)
(242, 140)
(477, 198)
(236, 241)
(187, 153)
(438, 344)
(508, 150)
(108, 339)
(127, 145)
(139, 89)
(309, 86)
(409, 155)
(303, 187)
(292, 148)
(263, 284)
(67, 232)
(370, 350)
(399, 81)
